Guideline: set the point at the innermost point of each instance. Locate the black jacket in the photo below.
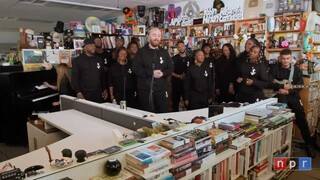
(120, 73)
(279, 73)
(180, 65)
(65, 87)
(87, 74)
(258, 73)
(225, 72)
(146, 61)
(199, 80)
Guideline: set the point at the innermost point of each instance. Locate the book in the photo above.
(218, 135)
(196, 135)
(148, 155)
(148, 167)
(277, 106)
(182, 148)
(174, 142)
(257, 114)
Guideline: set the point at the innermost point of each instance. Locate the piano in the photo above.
(19, 98)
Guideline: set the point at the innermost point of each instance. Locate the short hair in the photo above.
(119, 37)
(285, 52)
(151, 31)
(180, 42)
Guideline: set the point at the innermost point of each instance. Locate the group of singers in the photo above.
(140, 77)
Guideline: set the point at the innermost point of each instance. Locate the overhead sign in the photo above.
(211, 14)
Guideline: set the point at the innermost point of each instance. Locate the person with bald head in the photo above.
(152, 66)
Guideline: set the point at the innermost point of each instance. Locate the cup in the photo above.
(123, 105)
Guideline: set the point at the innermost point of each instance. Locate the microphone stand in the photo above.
(151, 90)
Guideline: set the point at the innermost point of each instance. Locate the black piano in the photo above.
(19, 98)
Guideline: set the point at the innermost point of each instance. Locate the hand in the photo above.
(210, 100)
(186, 102)
(283, 92)
(157, 74)
(182, 76)
(218, 92)
(287, 86)
(249, 82)
(104, 94)
(46, 84)
(80, 95)
(57, 103)
(231, 89)
(239, 80)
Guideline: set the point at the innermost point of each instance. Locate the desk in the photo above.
(91, 133)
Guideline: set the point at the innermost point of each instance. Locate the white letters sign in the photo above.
(211, 15)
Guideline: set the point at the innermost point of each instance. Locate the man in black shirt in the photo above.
(291, 96)
(88, 76)
(180, 62)
(152, 66)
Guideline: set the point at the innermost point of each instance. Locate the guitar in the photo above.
(269, 93)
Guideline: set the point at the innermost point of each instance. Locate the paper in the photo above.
(41, 87)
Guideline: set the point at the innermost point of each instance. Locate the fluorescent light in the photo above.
(82, 4)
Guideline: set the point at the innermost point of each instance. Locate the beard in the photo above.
(155, 42)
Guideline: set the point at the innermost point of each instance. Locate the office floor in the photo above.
(8, 152)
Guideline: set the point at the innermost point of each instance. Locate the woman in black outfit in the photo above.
(198, 83)
(63, 83)
(122, 81)
(225, 74)
(252, 77)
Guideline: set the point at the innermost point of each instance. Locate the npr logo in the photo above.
(283, 163)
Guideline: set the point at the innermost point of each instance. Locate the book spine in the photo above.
(173, 161)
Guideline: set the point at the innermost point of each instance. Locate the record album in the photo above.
(92, 21)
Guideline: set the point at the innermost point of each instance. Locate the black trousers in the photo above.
(159, 102)
(177, 93)
(198, 100)
(294, 104)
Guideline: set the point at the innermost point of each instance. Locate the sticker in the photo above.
(167, 94)
(98, 65)
(129, 71)
(205, 73)
(188, 64)
(105, 61)
(161, 60)
(253, 71)
(211, 65)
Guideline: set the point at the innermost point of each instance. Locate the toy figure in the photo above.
(129, 13)
(218, 4)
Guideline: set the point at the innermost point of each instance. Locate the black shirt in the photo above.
(279, 73)
(119, 74)
(146, 61)
(225, 72)
(106, 57)
(199, 80)
(88, 74)
(65, 87)
(258, 73)
(180, 65)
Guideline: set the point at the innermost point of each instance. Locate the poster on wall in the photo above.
(33, 59)
(252, 8)
(139, 30)
(52, 56)
(65, 57)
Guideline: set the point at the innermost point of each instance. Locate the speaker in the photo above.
(141, 10)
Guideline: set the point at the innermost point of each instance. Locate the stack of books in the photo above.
(149, 159)
(220, 139)
(257, 114)
(277, 106)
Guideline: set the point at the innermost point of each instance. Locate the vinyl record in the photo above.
(90, 21)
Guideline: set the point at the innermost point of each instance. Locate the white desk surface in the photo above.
(90, 133)
(86, 132)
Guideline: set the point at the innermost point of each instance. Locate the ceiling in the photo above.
(41, 15)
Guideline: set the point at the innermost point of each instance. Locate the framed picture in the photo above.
(96, 29)
(139, 30)
(78, 43)
(126, 29)
(32, 59)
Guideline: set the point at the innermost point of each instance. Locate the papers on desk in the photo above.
(41, 87)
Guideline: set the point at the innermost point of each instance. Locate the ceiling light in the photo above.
(82, 4)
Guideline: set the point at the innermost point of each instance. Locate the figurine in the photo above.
(80, 155)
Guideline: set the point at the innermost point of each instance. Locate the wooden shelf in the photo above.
(199, 36)
(280, 49)
(219, 37)
(290, 14)
(283, 31)
(315, 52)
(252, 19)
(318, 43)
